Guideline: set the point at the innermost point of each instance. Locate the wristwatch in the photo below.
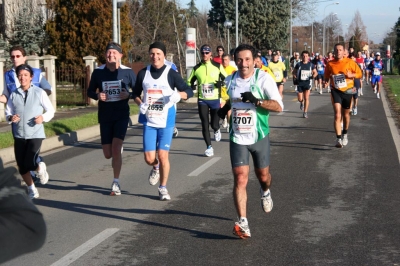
(260, 102)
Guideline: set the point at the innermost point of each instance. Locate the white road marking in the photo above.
(392, 124)
(85, 247)
(204, 166)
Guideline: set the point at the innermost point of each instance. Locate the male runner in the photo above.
(279, 70)
(253, 93)
(210, 76)
(158, 111)
(360, 62)
(368, 59)
(304, 72)
(18, 57)
(320, 66)
(112, 81)
(341, 72)
(293, 64)
(376, 67)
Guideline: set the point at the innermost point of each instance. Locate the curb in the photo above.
(7, 154)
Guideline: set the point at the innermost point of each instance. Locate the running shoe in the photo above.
(42, 173)
(242, 230)
(329, 90)
(345, 140)
(375, 89)
(163, 193)
(320, 91)
(361, 93)
(305, 115)
(367, 83)
(33, 193)
(266, 202)
(355, 111)
(225, 123)
(339, 143)
(301, 105)
(377, 95)
(217, 135)
(209, 152)
(154, 176)
(115, 189)
(176, 132)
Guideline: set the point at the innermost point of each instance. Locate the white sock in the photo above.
(243, 220)
(267, 193)
(116, 180)
(31, 186)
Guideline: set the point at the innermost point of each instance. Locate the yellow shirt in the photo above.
(229, 70)
(266, 69)
(277, 68)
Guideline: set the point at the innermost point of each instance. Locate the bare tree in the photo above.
(333, 30)
(357, 30)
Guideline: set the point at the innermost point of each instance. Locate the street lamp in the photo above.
(296, 41)
(228, 25)
(323, 38)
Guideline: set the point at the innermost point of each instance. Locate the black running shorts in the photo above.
(113, 129)
(260, 152)
(342, 98)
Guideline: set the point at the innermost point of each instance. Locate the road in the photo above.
(331, 206)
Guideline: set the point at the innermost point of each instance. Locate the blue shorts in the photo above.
(375, 79)
(157, 138)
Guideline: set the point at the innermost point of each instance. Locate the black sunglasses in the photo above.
(205, 52)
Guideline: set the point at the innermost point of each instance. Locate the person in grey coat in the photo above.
(27, 108)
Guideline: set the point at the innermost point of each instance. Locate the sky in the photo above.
(378, 16)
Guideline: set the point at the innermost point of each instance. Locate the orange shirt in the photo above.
(342, 66)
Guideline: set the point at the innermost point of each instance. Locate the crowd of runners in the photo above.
(239, 88)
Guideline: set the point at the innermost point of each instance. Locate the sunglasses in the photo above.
(205, 52)
(16, 56)
(220, 50)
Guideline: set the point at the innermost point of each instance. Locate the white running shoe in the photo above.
(176, 132)
(329, 90)
(339, 143)
(361, 93)
(241, 229)
(345, 140)
(209, 152)
(42, 173)
(266, 202)
(355, 111)
(115, 189)
(163, 193)
(225, 123)
(377, 95)
(154, 176)
(217, 135)
(320, 91)
(33, 193)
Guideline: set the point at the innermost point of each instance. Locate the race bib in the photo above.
(243, 121)
(377, 72)
(305, 74)
(207, 90)
(155, 100)
(278, 75)
(113, 90)
(319, 67)
(339, 81)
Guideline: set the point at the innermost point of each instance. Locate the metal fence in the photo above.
(72, 84)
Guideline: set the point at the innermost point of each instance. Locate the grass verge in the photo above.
(392, 86)
(61, 126)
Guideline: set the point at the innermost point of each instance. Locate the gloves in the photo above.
(248, 96)
(194, 87)
(219, 84)
(224, 110)
(143, 108)
(175, 97)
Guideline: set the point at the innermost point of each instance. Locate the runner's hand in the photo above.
(224, 110)
(249, 97)
(38, 119)
(15, 118)
(219, 84)
(143, 108)
(124, 94)
(102, 96)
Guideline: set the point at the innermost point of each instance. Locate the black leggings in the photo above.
(26, 154)
(205, 121)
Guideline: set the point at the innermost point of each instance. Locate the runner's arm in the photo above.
(91, 91)
(48, 107)
(138, 88)
(177, 82)
(274, 102)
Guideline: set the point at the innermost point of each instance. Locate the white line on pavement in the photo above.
(204, 166)
(392, 124)
(85, 247)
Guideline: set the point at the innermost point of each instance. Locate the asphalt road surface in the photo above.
(331, 206)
